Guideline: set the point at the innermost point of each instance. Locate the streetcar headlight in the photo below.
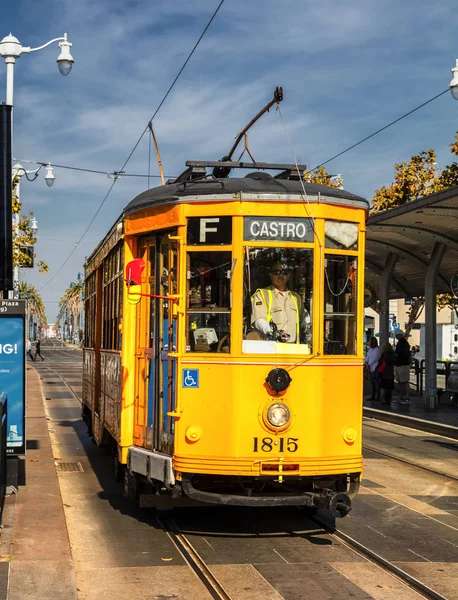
(278, 415)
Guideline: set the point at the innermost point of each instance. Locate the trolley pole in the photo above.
(6, 213)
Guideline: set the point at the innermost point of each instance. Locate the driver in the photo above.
(278, 313)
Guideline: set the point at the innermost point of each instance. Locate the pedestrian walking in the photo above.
(38, 350)
(402, 367)
(28, 347)
(372, 361)
(386, 372)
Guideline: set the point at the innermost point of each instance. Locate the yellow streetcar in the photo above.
(223, 357)
(211, 382)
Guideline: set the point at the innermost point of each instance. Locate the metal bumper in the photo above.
(233, 500)
(339, 504)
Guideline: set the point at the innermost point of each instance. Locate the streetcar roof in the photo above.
(255, 187)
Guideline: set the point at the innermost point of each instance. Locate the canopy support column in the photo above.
(431, 399)
(385, 283)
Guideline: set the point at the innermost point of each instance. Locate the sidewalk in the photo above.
(415, 415)
(41, 564)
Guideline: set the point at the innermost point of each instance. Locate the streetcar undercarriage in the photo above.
(150, 480)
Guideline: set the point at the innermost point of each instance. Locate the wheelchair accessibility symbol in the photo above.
(191, 378)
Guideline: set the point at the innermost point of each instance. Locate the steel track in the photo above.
(217, 591)
(400, 433)
(74, 394)
(193, 559)
(410, 463)
(381, 562)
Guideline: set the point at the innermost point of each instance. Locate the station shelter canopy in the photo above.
(411, 232)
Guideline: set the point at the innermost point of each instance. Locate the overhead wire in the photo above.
(160, 106)
(118, 174)
(136, 144)
(174, 81)
(368, 137)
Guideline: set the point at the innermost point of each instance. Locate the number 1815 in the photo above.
(267, 444)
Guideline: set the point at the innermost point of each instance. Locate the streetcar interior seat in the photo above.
(205, 339)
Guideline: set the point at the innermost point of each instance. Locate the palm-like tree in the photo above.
(36, 307)
(71, 303)
(72, 298)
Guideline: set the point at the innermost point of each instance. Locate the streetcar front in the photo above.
(268, 350)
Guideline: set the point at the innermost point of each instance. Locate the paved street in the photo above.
(112, 549)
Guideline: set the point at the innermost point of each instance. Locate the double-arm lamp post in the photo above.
(11, 50)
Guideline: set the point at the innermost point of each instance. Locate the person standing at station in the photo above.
(28, 347)
(402, 367)
(38, 349)
(371, 361)
(386, 371)
(278, 313)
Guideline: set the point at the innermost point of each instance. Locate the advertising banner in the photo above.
(12, 371)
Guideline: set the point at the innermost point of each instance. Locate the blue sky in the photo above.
(347, 68)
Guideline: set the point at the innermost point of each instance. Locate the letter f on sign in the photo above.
(204, 229)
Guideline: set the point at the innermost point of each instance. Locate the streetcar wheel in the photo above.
(131, 490)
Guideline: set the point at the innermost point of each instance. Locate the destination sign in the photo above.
(274, 229)
(212, 231)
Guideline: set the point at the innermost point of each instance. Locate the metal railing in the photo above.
(443, 367)
(415, 366)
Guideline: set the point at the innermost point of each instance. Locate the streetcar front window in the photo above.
(278, 290)
(341, 235)
(340, 304)
(208, 301)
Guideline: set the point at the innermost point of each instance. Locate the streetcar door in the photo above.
(167, 267)
(146, 345)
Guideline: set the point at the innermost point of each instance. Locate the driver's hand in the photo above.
(283, 336)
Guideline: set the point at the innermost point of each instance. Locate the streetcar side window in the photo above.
(208, 301)
(90, 310)
(112, 299)
(340, 300)
(278, 292)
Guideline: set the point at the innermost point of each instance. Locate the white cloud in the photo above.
(347, 68)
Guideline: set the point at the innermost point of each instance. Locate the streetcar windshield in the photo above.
(278, 291)
(340, 304)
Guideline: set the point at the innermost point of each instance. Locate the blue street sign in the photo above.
(12, 371)
(190, 378)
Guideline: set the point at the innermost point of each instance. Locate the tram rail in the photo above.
(74, 394)
(217, 591)
(412, 582)
(409, 462)
(193, 559)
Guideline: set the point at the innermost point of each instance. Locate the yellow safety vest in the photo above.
(266, 295)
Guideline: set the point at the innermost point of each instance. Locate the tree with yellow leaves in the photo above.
(416, 178)
(448, 301)
(412, 180)
(23, 235)
(321, 176)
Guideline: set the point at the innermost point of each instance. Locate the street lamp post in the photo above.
(11, 49)
(454, 83)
